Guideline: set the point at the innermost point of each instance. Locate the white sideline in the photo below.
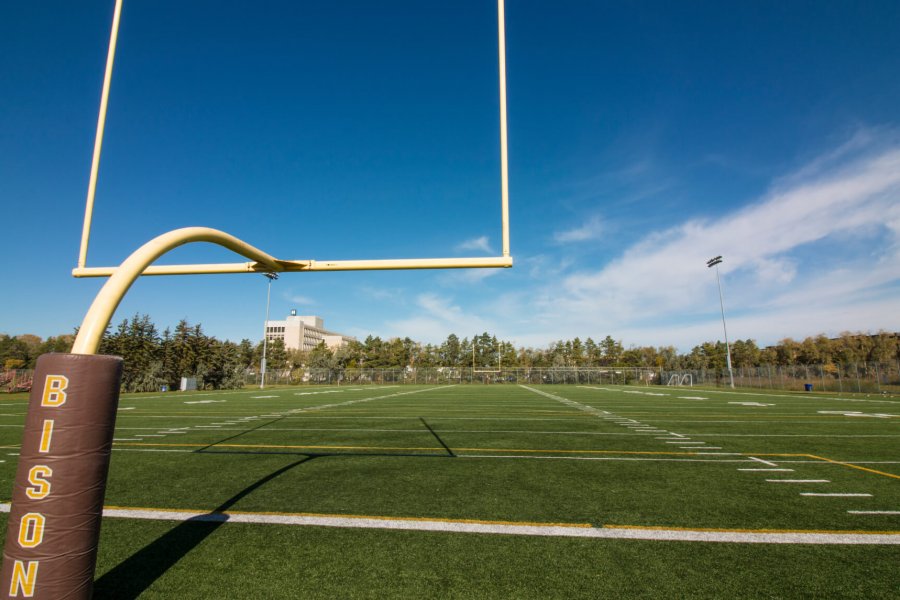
(837, 495)
(531, 529)
(874, 512)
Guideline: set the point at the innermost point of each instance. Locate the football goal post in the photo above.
(54, 520)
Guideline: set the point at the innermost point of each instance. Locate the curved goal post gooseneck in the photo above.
(57, 503)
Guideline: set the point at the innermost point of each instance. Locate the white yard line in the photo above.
(798, 480)
(837, 495)
(874, 512)
(765, 462)
(486, 527)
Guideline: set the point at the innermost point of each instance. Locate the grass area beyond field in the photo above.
(418, 491)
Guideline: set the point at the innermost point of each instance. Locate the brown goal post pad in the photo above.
(57, 501)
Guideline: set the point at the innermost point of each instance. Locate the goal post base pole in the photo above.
(57, 501)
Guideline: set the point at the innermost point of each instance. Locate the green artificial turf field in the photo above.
(485, 491)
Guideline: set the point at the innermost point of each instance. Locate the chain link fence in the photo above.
(854, 377)
(862, 377)
(450, 375)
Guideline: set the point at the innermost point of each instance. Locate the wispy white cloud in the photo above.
(296, 299)
(818, 253)
(481, 244)
(659, 270)
(378, 293)
(439, 306)
(543, 266)
(630, 182)
(589, 230)
(456, 277)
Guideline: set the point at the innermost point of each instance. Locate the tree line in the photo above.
(154, 358)
(486, 351)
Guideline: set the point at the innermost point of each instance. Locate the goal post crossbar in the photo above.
(294, 266)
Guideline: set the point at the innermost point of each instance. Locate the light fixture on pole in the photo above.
(262, 367)
(714, 262)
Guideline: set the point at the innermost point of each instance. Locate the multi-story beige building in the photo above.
(304, 333)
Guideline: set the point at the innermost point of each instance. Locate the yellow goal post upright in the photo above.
(57, 501)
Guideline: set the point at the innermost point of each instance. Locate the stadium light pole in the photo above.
(262, 367)
(714, 262)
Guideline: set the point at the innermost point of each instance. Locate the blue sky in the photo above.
(644, 138)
